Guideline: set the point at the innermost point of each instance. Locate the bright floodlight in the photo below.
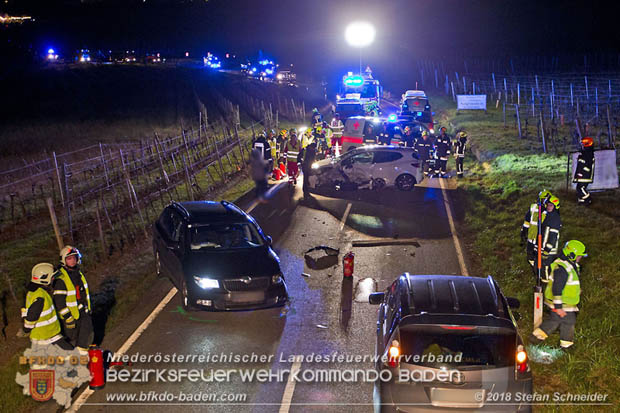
(359, 34)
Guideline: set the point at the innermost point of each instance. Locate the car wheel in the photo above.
(157, 264)
(405, 182)
(378, 183)
(185, 297)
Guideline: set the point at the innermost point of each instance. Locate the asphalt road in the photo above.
(327, 314)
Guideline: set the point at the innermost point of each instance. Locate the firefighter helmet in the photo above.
(555, 201)
(292, 131)
(587, 142)
(443, 129)
(462, 134)
(42, 273)
(544, 194)
(573, 249)
(424, 133)
(68, 251)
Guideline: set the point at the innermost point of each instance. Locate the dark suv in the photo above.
(449, 343)
(217, 256)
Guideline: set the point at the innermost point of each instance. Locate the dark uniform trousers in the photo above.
(566, 325)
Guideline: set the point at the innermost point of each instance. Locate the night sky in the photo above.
(310, 33)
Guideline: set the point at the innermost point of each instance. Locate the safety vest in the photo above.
(274, 149)
(292, 152)
(337, 126)
(72, 302)
(571, 291)
(47, 326)
(532, 231)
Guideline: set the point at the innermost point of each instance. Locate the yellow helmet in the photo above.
(424, 133)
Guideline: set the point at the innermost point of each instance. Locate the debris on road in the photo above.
(363, 289)
(321, 326)
(321, 257)
(303, 274)
(379, 242)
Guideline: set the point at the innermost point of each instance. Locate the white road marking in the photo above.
(287, 397)
(457, 243)
(268, 194)
(272, 213)
(345, 216)
(127, 345)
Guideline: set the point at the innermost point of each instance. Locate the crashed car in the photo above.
(371, 166)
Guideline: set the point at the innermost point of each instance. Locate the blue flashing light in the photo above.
(392, 118)
(269, 71)
(419, 113)
(253, 69)
(354, 81)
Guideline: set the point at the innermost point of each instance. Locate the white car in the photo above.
(372, 166)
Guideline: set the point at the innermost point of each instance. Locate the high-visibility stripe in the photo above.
(48, 341)
(60, 292)
(24, 312)
(64, 311)
(72, 304)
(29, 324)
(47, 322)
(46, 312)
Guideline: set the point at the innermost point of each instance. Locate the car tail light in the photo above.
(394, 354)
(521, 365)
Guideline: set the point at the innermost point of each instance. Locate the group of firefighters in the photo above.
(558, 270)
(58, 308)
(283, 153)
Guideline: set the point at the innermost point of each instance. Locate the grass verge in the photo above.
(495, 196)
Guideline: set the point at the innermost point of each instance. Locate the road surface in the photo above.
(410, 232)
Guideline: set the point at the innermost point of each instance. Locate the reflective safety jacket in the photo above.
(530, 224)
(40, 317)
(563, 289)
(584, 172)
(551, 226)
(66, 295)
(337, 127)
(292, 151)
(423, 148)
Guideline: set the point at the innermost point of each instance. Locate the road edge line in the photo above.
(287, 397)
(455, 238)
(79, 402)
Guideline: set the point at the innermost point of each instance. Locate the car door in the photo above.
(177, 247)
(358, 167)
(384, 165)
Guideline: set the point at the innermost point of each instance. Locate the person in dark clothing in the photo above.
(408, 137)
(259, 170)
(442, 149)
(550, 230)
(262, 144)
(459, 152)
(39, 315)
(584, 172)
(423, 147)
(72, 300)
(309, 157)
(385, 136)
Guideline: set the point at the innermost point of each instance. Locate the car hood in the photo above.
(253, 262)
(325, 163)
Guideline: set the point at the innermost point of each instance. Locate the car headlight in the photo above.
(206, 283)
(315, 165)
(277, 279)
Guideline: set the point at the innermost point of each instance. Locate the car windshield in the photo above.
(476, 347)
(225, 236)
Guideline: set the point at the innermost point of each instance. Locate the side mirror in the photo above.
(268, 239)
(513, 302)
(376, 298)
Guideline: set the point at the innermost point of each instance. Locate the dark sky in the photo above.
(310, 33)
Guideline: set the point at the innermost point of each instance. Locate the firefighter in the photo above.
(584, 172)
(408, 137)
(72, 299)
(292, 151)
(262, 144)
(39, 315)
(423, 147)
(550, 230)
(442, 151)
(317, 118)
(459, 152)
(384, 137)
(562, 296)
(529, 229)
(337, 128)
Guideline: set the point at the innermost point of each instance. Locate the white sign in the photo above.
(605, 169)
(471, 102)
